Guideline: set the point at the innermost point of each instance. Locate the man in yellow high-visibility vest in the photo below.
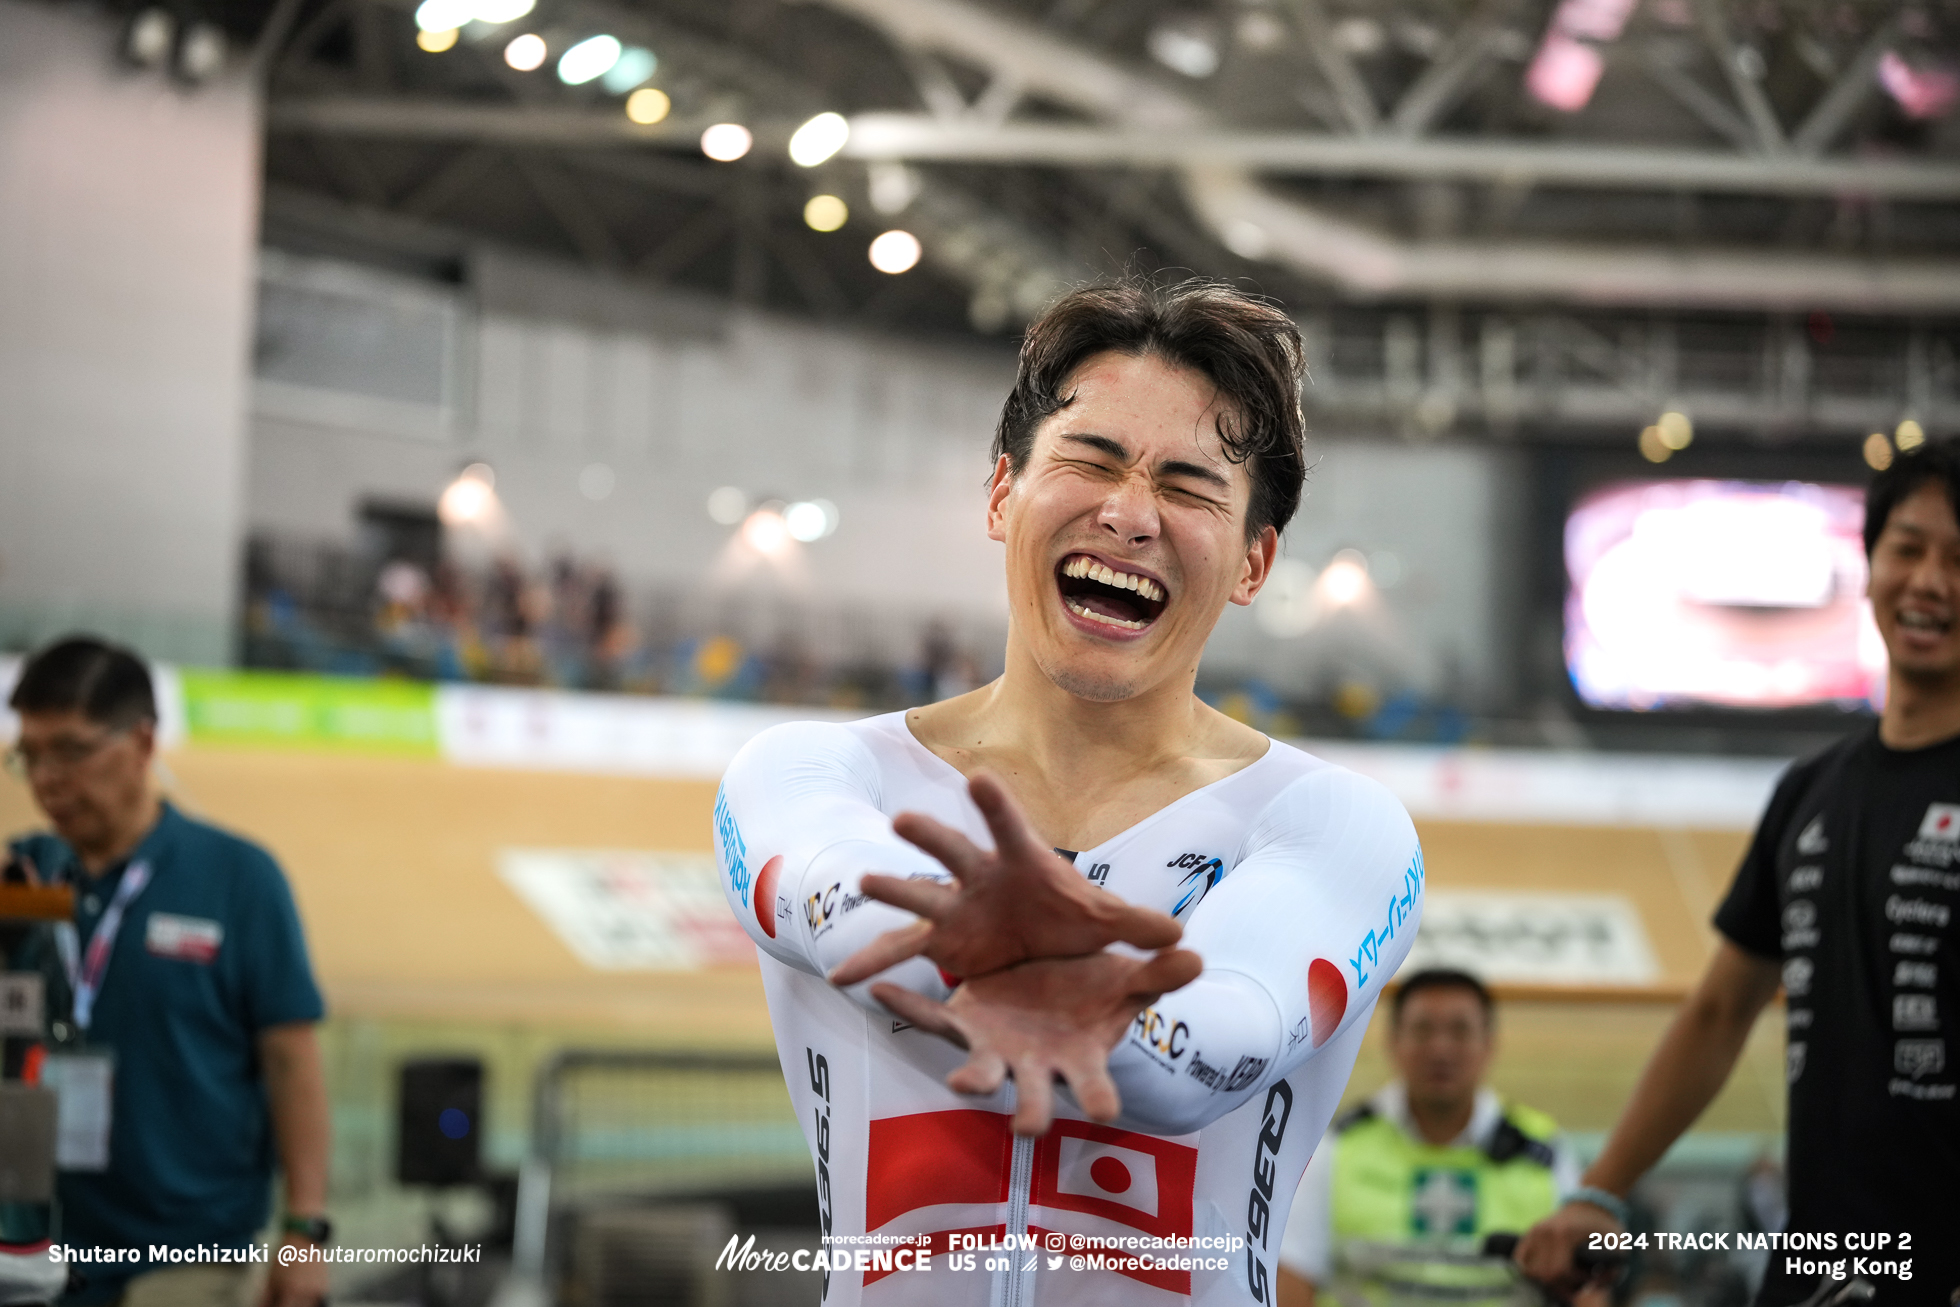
(1434, 1160)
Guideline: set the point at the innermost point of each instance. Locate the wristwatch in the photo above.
(316, 1228)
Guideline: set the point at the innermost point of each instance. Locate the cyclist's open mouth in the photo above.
(1108, 599)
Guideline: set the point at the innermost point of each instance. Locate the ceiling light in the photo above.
(1922, 93)
(895, 252)
(1345, 579)
(648, 106)
(1260, 31)
(596, 481)
(1567, 67)
(767, 533)
(1385, 569)
(1248, 240)
(149, 37)
(811, 519)
(495, 12)
(437, 42)
(893, 187)
(1362, 36)
(818, 139)
(825, 213)
(726, 142)
(526, 53)
(1653, 446)
(200, 53)
(728, 505)
(636, 64)
(444, 15)
(1878, 451)
(591, 58)
(1564, 73)
(1187, 44)
(1677, 433)
(471, 498)
(1909, 436)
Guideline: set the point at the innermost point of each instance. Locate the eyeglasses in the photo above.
(1423, 1030)
(58, 756)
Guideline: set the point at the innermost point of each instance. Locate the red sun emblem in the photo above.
(1110, 1174)
(1327, 997)
(765, 895)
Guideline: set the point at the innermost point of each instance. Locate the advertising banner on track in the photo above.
(677, 738)
(287, 710)
(629, 910)
(1541, 938)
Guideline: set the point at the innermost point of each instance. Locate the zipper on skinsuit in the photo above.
(1014, 1287)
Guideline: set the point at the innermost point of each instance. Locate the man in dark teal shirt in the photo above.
(189, 974)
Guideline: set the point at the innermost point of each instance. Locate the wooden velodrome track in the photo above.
(393, 863)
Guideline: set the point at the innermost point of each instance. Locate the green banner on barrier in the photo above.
(312, 712)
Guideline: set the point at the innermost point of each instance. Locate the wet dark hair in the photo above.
(1441, 978)
(1246, 347)
(1936, 460)
(104, 682)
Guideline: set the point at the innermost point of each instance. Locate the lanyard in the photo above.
(85, 972)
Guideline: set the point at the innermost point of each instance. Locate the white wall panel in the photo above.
(128, 209)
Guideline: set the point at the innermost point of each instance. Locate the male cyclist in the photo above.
(1056, 831)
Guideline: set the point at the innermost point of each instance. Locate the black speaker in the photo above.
(441, 1122)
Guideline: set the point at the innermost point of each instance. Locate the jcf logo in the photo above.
(1203, 873)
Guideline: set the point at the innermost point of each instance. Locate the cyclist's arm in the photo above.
(1687, 1070)
(797, 824)
(1296, 941)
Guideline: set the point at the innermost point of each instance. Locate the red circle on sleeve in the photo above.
(765, 895)
(1326, 998)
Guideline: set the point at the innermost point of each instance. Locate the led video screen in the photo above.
(1719, 594)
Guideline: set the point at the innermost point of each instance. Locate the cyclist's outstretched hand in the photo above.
(1545, 1252)
(1046, 1018)
(1021, 901)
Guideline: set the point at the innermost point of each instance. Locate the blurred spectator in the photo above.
(1433, 1161)
(607, 634)
(572, 624)
(792, 673)
(459, 651)
(401, 617)
(949, 668)
(190, 979)
(403, 589)
(503, 601)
